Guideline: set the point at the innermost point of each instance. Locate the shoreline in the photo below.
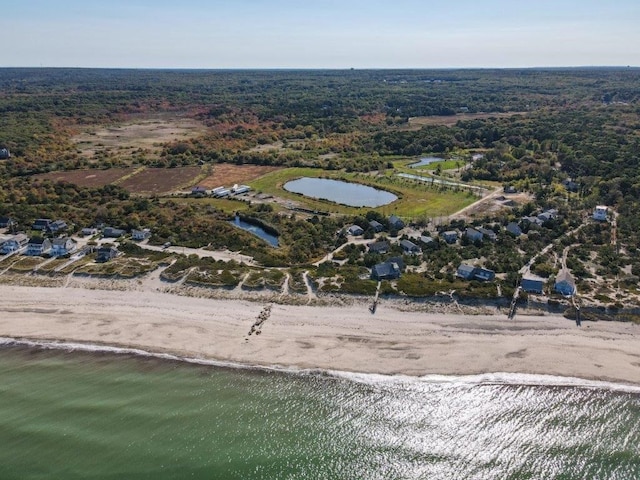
(345, 338)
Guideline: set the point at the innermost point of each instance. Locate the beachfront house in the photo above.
(465, 271)
(381, 247)
(14, 243)
(38, 246)
(139, 235)
(106, 253)
(63, 246)
(385, 271)
(355, 230)
(565, 285)
(600, 213)
(469, 272)
(532, 284)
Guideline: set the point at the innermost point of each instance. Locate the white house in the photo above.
(600, 213)
(62, 246)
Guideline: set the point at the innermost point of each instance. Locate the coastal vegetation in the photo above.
(125, 148)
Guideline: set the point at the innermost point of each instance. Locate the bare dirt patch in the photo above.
(228, 175)
(148, 135)
(87, 178)
(415, 123)
(161, 180)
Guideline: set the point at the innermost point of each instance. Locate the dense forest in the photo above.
(535, 128)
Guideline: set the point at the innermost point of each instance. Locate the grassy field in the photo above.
(414, 199)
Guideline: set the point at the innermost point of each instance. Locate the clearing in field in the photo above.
(225, 174)
(148, 135)
(416, 123)
(162, 180)
(91, 178)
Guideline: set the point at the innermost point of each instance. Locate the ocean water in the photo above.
(69, 414)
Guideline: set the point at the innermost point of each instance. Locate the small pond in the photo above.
(426, 161)
(345, 193)
(257, 231)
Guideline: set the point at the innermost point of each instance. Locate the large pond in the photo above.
(345, 193)
(426, 161)
(257, 231)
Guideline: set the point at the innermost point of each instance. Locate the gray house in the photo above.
(62, 246)
(450, 236)
(532, 284)
(565, 284)
(106, 253)
(473, 235)
(355, 230)
(487, 232)
(379, 247)
(377, 226)
(385, 271)
(14, 243)
(465, 271)
(41, 224)
(110, 232)
(4, 153)
(38, 246)
(396, 222)
(409, 247)
(140, 234)
(514, 229)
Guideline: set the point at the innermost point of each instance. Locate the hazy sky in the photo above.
(319, 33)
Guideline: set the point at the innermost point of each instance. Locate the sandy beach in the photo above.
(347, 338)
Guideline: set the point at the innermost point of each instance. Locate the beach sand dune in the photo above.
(347, 338)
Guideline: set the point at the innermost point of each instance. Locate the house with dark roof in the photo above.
(106, 253)
(110, 232)
(5, 154)
(355, 230)
(450, 236)
(57, 226)
(198, 191)
(377, 226)
(532, 284)
(488, 233)
(514, 229)
(381, 246)
(63, 246)
(570, 185)
(473, 235)
(427, 240)
(38, 246)
(565, 284)
(465, 271)
(469, 272)
(6, 222)
(409, 247)
(385, 271)
(41, 224)
(396, 222)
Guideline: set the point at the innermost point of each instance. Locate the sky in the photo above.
(319, 33)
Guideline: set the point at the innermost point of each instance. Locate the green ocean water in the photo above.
(79, 415)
